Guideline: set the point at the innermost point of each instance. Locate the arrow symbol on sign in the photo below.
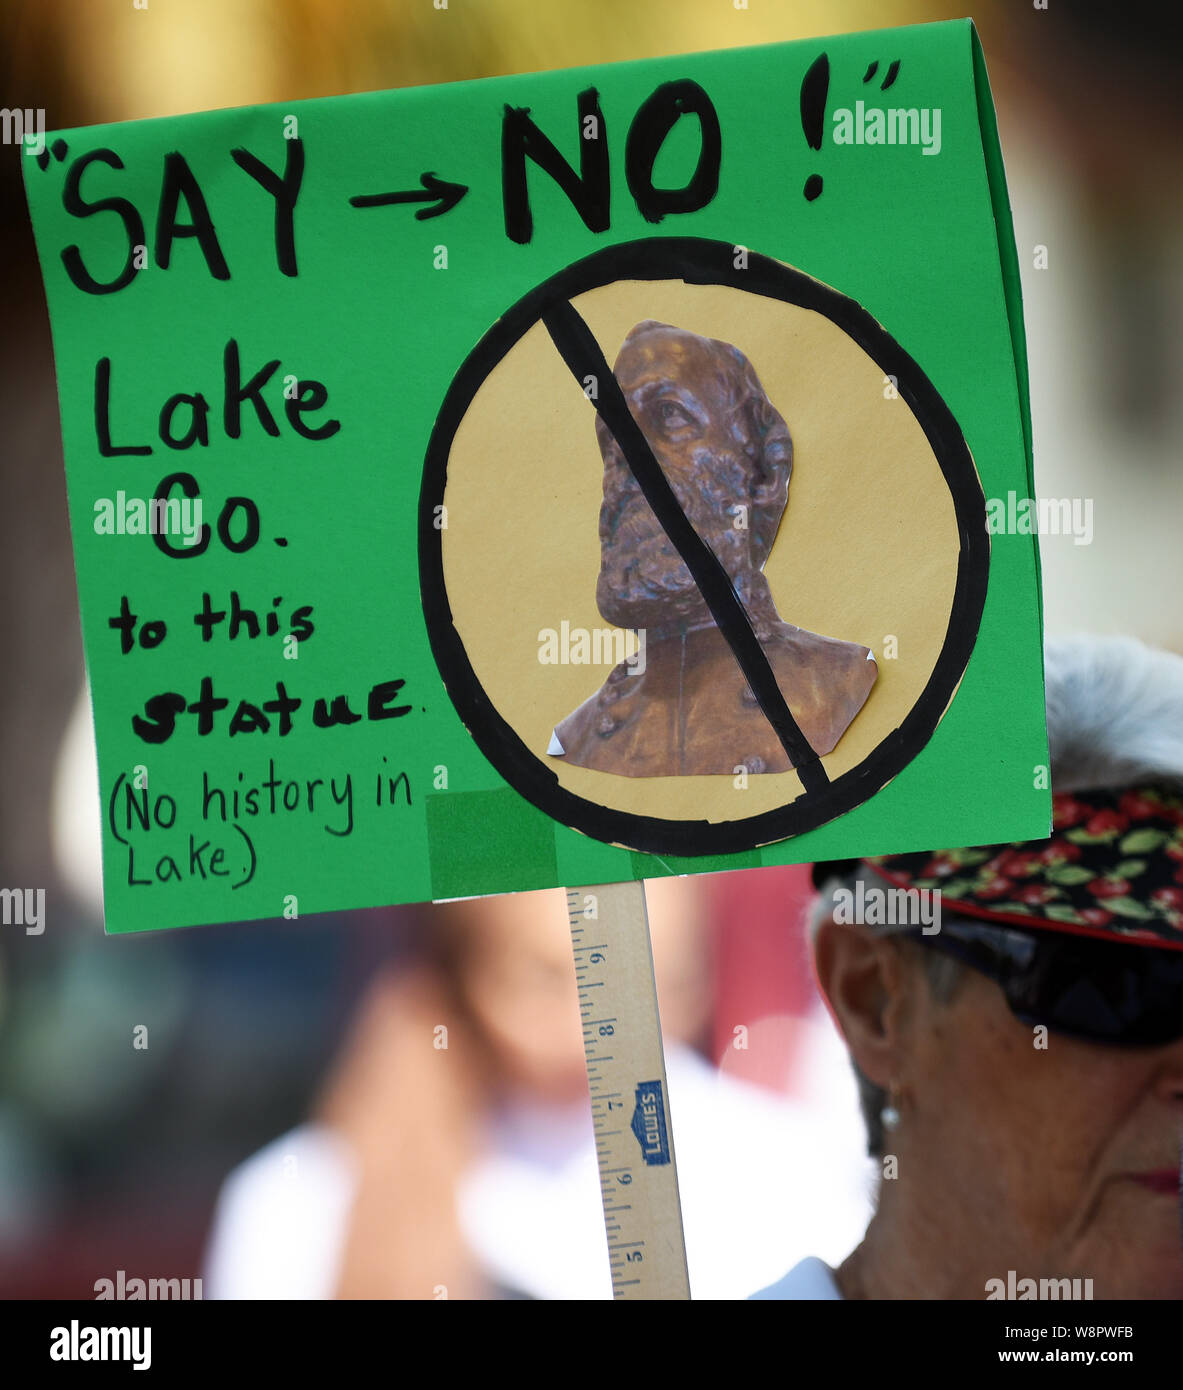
(439, 191)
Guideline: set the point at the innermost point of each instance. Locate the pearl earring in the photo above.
(889, 1116)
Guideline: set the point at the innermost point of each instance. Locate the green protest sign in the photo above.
(554, 479)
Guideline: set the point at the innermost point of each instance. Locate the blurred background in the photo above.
(263, 1139)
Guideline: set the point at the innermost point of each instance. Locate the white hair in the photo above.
(1114, 713)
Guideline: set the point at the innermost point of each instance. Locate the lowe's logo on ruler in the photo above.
(649, 1123)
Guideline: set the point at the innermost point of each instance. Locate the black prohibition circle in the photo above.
(697, 261)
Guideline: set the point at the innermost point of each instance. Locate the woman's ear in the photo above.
(866, 982)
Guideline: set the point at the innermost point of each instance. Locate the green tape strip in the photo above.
(473, 835)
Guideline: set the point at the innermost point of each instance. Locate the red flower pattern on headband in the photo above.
(1112, 867)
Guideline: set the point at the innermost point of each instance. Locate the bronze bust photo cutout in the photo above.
(686, 708)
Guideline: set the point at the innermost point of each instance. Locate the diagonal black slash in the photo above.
(578, 348)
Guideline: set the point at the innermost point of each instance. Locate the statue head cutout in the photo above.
(725, 451)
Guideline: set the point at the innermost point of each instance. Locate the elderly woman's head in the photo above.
(1024, 1084)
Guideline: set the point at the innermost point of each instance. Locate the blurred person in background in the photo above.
(1021, 1067)
(452, 1152)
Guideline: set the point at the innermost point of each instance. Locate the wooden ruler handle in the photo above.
(629, 1093)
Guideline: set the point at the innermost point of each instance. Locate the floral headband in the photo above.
(1113, 868)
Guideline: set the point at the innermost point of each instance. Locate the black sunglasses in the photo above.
(1100, 991)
